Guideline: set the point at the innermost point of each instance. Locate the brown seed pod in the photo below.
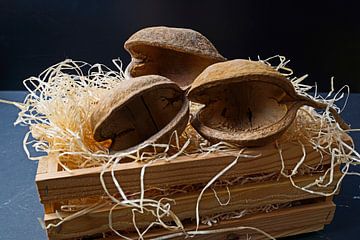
(177, 53)
(247, 103)
(142, 110)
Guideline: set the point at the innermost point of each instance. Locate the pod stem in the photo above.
(324, 106)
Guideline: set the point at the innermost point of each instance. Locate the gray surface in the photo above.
(19, 203)
(20, 207)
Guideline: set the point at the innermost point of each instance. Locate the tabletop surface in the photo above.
(19, 203)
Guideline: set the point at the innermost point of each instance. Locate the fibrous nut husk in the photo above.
(142, 110)
(247, 102)
(177, 53)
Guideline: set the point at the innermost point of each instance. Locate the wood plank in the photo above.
(252, 235)
(52, 166)
(279, 223)
(235, 236)
(47, 164)
(247, 196)
(180, 171)
(42, 167)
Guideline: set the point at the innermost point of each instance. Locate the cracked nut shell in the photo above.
(142, 110)
(177, 53)
(247, 103)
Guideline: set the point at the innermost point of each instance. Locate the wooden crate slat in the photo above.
(48, 164)
(183, 170)
(254, 236)
(42, 167)
(250, 195)
(279, 223)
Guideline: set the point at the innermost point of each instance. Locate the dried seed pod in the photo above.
(247, 103)
(177, 53)
(142, 110)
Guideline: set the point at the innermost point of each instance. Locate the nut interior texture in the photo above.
(177, 53)
(246, 106)
(149, 113)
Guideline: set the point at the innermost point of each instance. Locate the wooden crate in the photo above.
(308, 212)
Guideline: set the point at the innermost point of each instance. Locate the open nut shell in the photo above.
(141, 111)
(246, 102)
(177, 53)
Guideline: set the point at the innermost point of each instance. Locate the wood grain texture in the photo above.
(279, 223)
(248, 196)
(42, 167)
(180, 171)
(48, 164)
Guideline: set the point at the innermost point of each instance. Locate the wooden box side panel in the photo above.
(183, 170)
(248, 196)
(279, 223)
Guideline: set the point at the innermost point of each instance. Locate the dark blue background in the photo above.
(321, 37)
